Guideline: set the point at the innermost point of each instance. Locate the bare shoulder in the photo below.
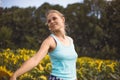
(49, 40)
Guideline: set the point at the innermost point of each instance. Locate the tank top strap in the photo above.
(70, 40)
(56, 40)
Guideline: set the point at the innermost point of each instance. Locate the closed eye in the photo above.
(53, 18)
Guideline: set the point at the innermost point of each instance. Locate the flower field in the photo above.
(87, 68)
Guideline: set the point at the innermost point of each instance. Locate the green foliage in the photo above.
(5, 33)
(5, 37)
(113, 17)
(93, 36)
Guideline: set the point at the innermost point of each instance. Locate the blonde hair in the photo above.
(54, 11)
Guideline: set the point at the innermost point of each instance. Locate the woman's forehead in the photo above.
(51, 15)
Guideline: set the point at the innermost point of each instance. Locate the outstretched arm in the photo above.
(33, 61)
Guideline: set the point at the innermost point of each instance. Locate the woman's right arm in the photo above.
(33, 61)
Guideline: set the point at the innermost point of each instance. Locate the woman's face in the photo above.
(55, 22)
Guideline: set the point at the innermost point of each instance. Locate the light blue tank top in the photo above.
(63, 59)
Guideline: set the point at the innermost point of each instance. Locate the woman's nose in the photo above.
(52, 21)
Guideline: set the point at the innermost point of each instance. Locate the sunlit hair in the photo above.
(54, 11)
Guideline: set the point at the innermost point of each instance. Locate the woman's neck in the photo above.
(60, 33)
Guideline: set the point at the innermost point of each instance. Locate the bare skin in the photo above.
(57, 27)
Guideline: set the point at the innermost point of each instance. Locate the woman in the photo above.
(60, 48)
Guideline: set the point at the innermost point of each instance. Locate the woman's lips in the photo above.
(52, 25)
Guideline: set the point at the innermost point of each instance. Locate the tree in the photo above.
(113, 26)
(5, 37)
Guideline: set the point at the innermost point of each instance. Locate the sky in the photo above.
(35, 3)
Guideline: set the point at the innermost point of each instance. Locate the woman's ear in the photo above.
(63, 19)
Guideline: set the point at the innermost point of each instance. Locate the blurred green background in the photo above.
(94, 25)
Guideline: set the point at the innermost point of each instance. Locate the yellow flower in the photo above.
(4, 72)
(26, 76)
(112, 66)
(48, 67)
(41, 68)
(8, 49)
(99, 66)
(42, 77)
